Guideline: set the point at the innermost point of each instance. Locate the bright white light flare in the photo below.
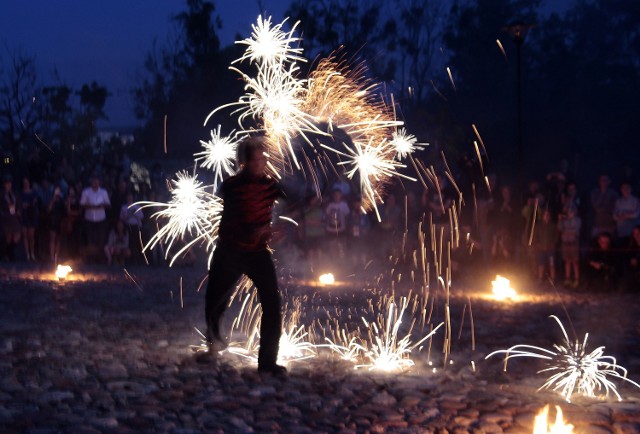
(327, 279)
(404, 143)
(270, 45)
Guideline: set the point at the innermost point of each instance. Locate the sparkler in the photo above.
(574, 370)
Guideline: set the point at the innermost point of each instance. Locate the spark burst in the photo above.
(219, 154)
(405, 144)
(192, 211)
(270, 44)
(574, 370)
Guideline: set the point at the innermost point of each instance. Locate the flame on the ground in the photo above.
(63, 271)
(327, 279)
(542, 425)
(502, 289)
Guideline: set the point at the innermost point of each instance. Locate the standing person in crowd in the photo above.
(313, 232)
(571, 199)
(360, 225)
(9, 221)
(603, 200)
(245, 231)
(56, 211)
(117, 247)
(95, 201)
(131, 215)
(545, 238)
(603, 265)
(29, 213)
(569, 227)
(71, 230)
(390, 225)
(504, 221)
(632, 262)
(336, 216)
(625, 213)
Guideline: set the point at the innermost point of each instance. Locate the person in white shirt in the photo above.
(95, 200)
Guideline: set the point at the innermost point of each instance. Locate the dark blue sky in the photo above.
(106, 41)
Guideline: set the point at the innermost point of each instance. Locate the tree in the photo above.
(184, 80)
(18, 91)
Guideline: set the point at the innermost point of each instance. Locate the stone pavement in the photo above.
(109, 351)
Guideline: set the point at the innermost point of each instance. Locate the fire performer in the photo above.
(245, 230)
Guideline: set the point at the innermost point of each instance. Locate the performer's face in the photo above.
(257, 164)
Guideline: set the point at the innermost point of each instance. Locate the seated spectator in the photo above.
(131, 215)
(602, 265)
(117, 248)
(632, 261)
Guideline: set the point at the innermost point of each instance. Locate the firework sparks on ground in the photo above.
(502, 290)
(219, 154)
(192, 211)
(574, 370)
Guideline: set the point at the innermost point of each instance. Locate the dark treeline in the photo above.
(449, 64)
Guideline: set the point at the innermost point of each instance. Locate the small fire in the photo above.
(559, 427)
(502, 289)
(62, 271)
(327, 279)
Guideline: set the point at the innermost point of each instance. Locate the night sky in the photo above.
(106, 41)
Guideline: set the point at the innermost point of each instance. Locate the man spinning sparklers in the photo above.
(245, 230)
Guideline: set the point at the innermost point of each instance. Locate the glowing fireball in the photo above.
(502, 289)
(63, 271)
(542, 426)
(327, 279)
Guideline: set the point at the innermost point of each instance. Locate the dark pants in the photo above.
(227, 266)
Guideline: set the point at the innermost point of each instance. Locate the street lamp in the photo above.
(518, 32)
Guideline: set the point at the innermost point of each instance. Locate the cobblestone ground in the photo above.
(109, 351)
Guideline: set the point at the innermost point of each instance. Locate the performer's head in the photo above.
(252, 155)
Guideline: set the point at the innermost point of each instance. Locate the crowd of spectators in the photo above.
(581, 237)
(53, 211)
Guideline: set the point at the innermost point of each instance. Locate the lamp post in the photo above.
(518, 32)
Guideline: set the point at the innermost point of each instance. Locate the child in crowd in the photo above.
(117, 248)
(569, 227)
(545, 237)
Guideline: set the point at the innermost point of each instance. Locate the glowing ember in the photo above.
(502, 289)
(327, 279)
(63, 271)
(559, 427)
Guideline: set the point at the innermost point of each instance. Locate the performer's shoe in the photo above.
(274, 369)
(215, 341)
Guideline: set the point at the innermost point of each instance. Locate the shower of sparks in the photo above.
(384, 350)
(405, 144)
(219, 154)
(192, 211)
(294, 342)
(574, 370)
(270, 44)
(374, 164)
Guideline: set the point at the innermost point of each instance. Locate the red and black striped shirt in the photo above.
(248, 205)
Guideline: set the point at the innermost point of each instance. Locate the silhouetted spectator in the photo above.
(545, 239)
(336, 216)
(632, 261)
(505, 223)
(29, 216)
(360, 225)
(569, 226)
(603, 200)
(625, 212)
(117, 247)
(602, 265)
(9, 214)
(72, 224)
(95, 201)
(56, 210)
(313, 232)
